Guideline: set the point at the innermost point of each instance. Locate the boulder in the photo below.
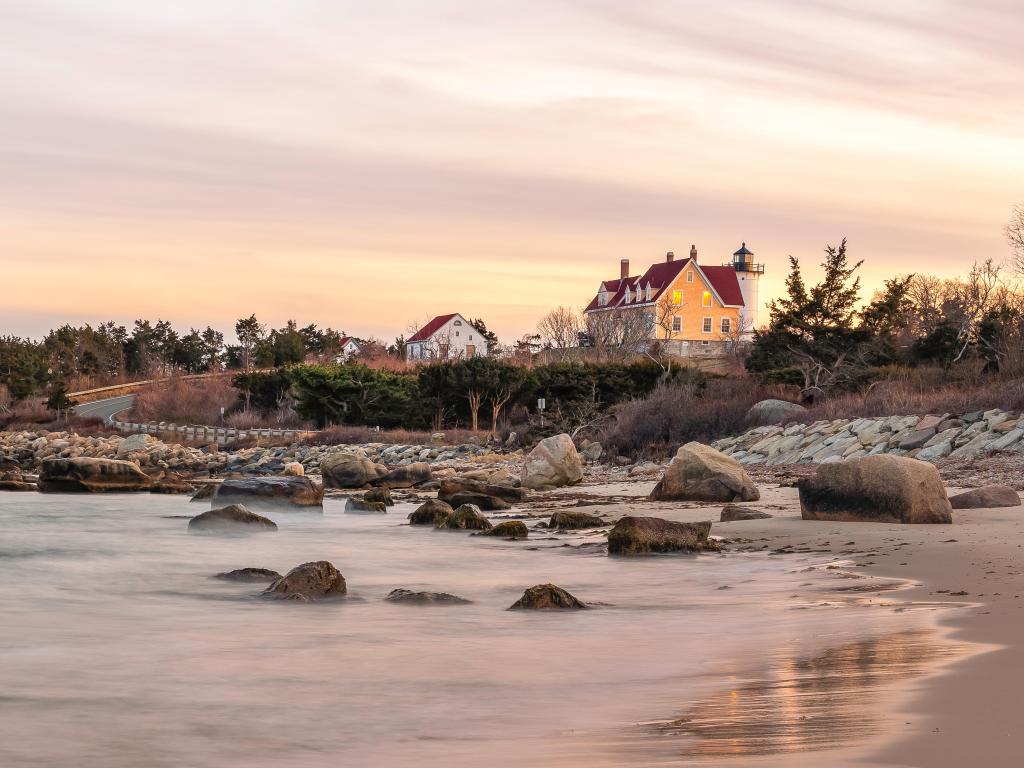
(172, 487)
(485, 502)
(455, 485)
(552, 463)
(733, 512)
(547, 597)
(293, 469)
(205, 492)
(405, 476)
(509, 529)
(383, 495)
(231, 518)
(249, 575)
(17, 485)
(700, 473)
(357, 505)
(408, 597)
(643, 535)
(276, 492)
(430, 512)
(986, 497)
(343, 469)
(318, 580)
(89, 475)
(135, 443)
(882, 488)
(467, 517)
(592, 452)
(770, 412)
(565, 520)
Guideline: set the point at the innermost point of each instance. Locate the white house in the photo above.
(446, 337)
(348, 348)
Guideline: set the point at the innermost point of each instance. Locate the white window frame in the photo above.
(677, 324)
(726, 325)
(689, 276)
(708, 324)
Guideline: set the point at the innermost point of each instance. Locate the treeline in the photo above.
(465, 393)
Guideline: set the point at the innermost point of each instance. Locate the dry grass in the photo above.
(185, 402)
(354, 435)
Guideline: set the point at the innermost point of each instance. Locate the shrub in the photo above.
(182, 401)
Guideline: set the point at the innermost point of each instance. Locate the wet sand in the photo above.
(951, 700)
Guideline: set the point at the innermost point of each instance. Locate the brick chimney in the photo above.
(670, 256)
(693, 252)
(624, 269)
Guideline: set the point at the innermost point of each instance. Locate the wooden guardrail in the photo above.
(220, 435)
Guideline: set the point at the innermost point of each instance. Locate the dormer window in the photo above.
(648, 292)
(628, 295)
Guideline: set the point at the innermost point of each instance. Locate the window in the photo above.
(456, 333)
(471, 337)
(705, 343)
(458, 322)
(689, 276)
(706, 299)
(707, 325)
(648, 292)
(677, 297)
(677, 324)
(726, 325)
(627, 295)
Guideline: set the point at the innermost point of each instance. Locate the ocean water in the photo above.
(118, 649)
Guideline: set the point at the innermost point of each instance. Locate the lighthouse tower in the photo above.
(749, 275)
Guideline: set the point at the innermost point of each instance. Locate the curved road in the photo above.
(105, 409)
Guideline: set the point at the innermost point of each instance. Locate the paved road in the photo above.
(105, 409)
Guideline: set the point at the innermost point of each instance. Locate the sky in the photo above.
(367, 165)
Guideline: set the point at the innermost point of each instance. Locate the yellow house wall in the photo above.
(693, 312)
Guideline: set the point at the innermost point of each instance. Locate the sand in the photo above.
(961, 713)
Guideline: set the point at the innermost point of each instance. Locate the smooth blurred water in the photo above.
(118, 649)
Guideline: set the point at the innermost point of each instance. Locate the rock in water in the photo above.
(318, 580)
(409, 597)
(882, 488)
(733, 512)
(205, 492)
(84, 475)
(344, 469)
(547, 597)
(231, 518)
(487, 503)
(552, 463)
(354, 505)
(293, 469)
(455, 486)
(568, 521)
(643, 535)
(15, 481)
(466, 518)
(249, 575)
(700, 473)
(405, 476)
(383, 495)
(772, 411)
(985, 497)
(509, 529)
(172, 487)
(430, 512)
(275, 492)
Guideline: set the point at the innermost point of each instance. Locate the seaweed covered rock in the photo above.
(234, 517)
(318, 580)
(466, 518)
(356, 505)
(547, 597)
(430, 512)
(570, 521)
(409, 597)
(249, 575)
(87, 475)
(882, 489)
(553, 463)
(273, 492)
(986, 497)
(733, 512)
(700, 473)
(645, 535)
(509, 529)
(486, 503)
(383, 495)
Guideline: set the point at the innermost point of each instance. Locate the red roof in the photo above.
(662, 275)
(430, 328)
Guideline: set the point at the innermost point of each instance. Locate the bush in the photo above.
(181, 401)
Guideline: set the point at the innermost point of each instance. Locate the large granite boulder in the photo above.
(547, 597)
(986, 497)
(453, 486)
(383, 495)
(362, 506)
(644, 535)
(271, 492)
(770, 412)
(430, 512)
(405, 476)
(485, 502)
(344, 469)
(465, 518)
(15, 481)
(552, 463)
(700, 473)
(87, 475)
(881, 488)
(567, 520)
(231, 518)
(509, 529)
(318, 580)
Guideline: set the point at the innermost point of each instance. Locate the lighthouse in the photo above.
(749, 275)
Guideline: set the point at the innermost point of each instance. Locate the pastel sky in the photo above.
(368, 164)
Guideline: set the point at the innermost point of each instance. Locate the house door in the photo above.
(470, 351)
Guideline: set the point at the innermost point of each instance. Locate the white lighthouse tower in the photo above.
(749, 275)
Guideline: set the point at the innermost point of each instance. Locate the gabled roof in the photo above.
(431, 328)
(723, 280)
(661, 276)
(345, 340)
